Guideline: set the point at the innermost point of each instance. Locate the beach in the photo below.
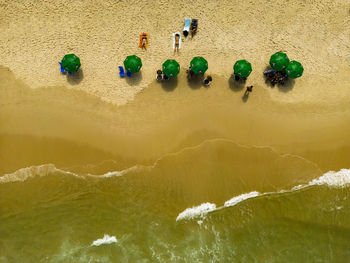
(99, 168)
(102, 34)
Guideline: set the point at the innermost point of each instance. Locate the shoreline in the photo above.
(160, 121)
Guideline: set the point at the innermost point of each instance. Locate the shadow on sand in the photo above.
(235, 85)
(196, 81)
(76, 77)
(134, 79)
(245, 97)
(169, 85)
(287, 86)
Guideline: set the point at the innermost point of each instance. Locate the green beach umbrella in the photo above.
(242, 68)
(199, 65)
(279, 61)
(70, 63)
(171, 68)
(294, 69)
(132, 64)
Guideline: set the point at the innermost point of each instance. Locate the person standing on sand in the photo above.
(249, 89)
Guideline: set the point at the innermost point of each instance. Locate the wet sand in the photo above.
(92, 154)
(79, 132)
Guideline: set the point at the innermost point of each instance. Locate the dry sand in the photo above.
(34, 36)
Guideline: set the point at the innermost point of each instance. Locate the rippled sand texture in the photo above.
(34, 36)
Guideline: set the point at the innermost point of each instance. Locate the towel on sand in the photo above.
(187, 25)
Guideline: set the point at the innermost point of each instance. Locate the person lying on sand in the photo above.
(144, 42)
(194, 26)
(177, 42)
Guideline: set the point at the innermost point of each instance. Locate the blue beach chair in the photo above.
(269, 71)
(128, 74)
(121, 71)
(62, 69)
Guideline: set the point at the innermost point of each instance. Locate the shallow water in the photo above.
(86, 181)
(58, 216)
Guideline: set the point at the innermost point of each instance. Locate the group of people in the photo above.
(238, 78)
(160, 76)
(275, 77)
(206, 81)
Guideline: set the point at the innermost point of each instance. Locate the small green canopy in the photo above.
(171, 68)
(279, 61)
(242, 68)
(199, 65)
(132, 64)
(294, 69)
(70, 63)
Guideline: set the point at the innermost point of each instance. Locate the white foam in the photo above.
(107, 239)
(28, 172)
(237, 199)
(196, 211)
(122, 172)
(331, 179)
(45, 169)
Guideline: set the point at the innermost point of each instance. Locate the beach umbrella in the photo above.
(294, 69)
(171, 68)
(70, 63)
(279, 61)
(199, 65)
(242, 68)
(132, 64)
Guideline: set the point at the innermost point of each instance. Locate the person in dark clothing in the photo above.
(249, 89)
(207, 80)
(159, 76)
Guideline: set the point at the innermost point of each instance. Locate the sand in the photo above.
(92, 154)
(34, 36)
(98, 122)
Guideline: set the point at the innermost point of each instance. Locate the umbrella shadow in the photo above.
(196, 81)
(169, 85)
(75, 77)
(135, 78)
(287, 86)
(234, 84)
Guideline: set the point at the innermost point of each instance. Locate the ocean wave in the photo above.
(135, 168)
(331, 179)
(25, 173)
(107, 239)
(197, 211)
(237, 199)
